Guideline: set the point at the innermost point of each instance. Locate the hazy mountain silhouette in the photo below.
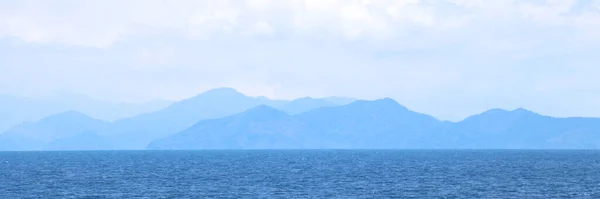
(304, 104)
(384, 124)
(82, 141)
(226, 119)
(259, 127)
(17, 110)
(521, 128)
(366, 124)
(340, 100)
(361, 124)
(137, 132)
(37, 135)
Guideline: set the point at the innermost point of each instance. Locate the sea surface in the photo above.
(301, 174)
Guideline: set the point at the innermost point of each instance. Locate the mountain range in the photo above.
(384, 124)
(49, 132)
(226, 119)
(16, 110)
(136, 132)
(362, 124)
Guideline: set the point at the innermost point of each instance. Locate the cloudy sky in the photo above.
(448, 58)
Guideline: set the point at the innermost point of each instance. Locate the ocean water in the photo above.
(301, 174)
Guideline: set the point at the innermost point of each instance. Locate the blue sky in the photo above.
(448, 58)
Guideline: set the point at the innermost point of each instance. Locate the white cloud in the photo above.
(260, 28)
(450, 56)
(101, 23)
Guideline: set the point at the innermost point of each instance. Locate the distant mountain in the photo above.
(37, 135)
(380, 123)
(340, 100)
(226, 119)
(524, 129)
(108, 111)
(271, 102)
(304, 104)
(385, 124)
(362, 124)
(82, 141)
(259, 127)
(137, 132)
(16, 110)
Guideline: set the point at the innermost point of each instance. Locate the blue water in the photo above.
(301, 174)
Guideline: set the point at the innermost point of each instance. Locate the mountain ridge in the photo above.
(227, 119)
(137, 131)
(384, 123)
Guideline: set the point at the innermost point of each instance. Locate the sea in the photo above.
(301, 174)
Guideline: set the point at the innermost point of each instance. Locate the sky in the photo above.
(447, 58)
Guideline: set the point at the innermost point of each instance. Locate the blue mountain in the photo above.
(380, 123)
(226, 119)
(304, 104)
(361, 124)
(137, 132)
(340, 100)
(17, 110)
(260, 127)
(37, 135)
(521, 129)
(87, 140)
(385, 124)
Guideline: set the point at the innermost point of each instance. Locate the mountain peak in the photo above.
(263, 110)
(517, 110)
(214, 95)
(495, 111)
(70, 117)
(387, 105)
(221, 91)
(304, 99)
(498, 113)
(261, 113)
(522, 111)
(388, 102)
